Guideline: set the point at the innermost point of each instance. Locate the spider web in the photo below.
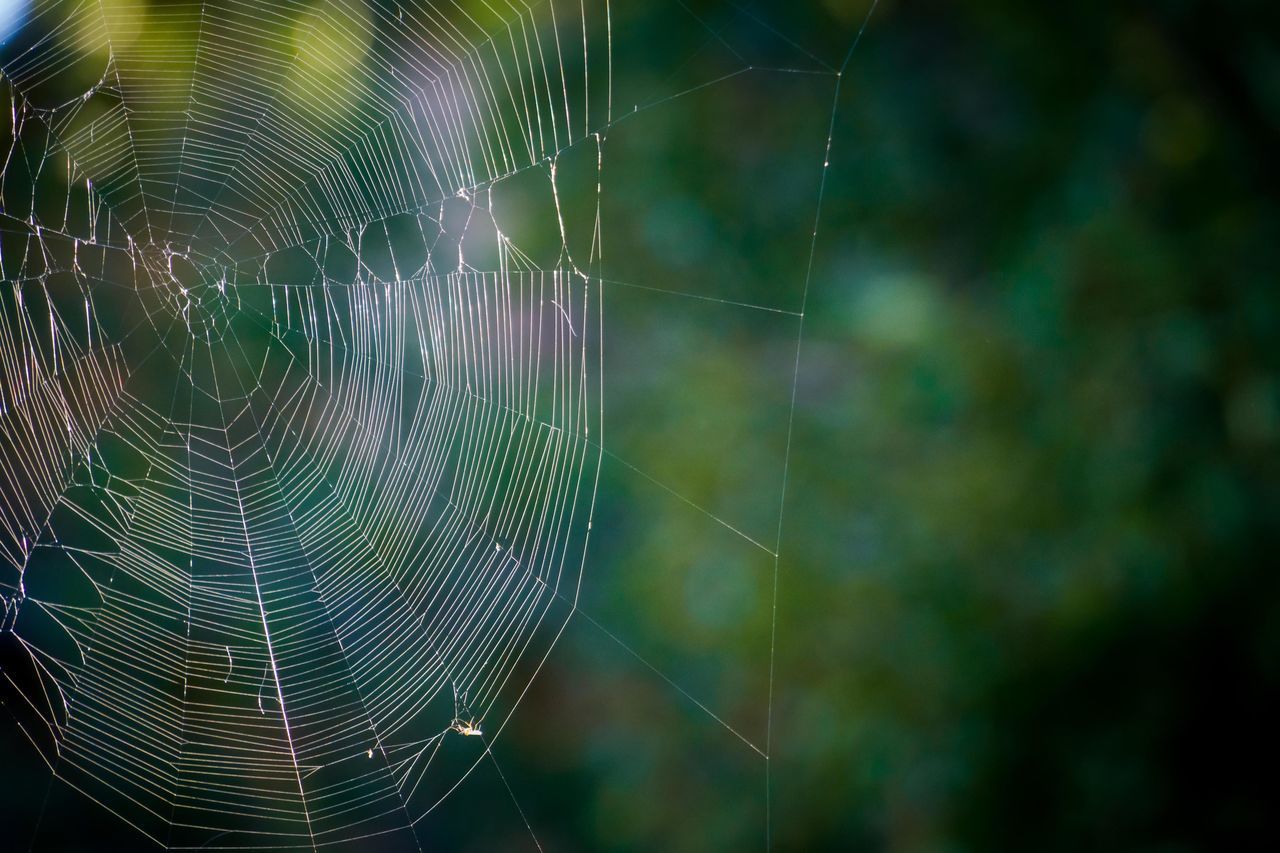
(301, 410)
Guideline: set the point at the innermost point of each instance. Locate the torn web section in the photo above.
(91, 647)
(61, 383)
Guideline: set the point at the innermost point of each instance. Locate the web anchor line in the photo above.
(791, 414)
(302, 410)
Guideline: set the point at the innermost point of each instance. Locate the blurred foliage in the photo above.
(1027, 597)
(1052, 333)
(1027, 592)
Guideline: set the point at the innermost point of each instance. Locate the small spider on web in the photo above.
(464, 721)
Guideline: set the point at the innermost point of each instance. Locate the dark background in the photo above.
(1027, 597)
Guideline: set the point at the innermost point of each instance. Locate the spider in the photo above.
(469, 727)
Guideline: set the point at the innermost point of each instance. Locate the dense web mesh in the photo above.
(296, 440)
(302, 384)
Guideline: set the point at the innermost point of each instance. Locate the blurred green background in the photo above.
(1027, 598)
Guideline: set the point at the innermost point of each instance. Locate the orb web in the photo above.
(302, 399)
(296, 450)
